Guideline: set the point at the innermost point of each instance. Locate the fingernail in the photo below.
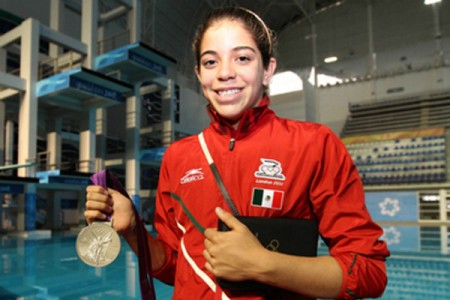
(219, 210)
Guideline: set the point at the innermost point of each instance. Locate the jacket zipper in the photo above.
(229, 162)
(232, 141)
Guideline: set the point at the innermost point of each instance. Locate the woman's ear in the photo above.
(197, 72)
(269, 71)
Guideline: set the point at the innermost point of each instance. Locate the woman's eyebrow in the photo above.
(239, 48)
(244, 48)
(208, 52)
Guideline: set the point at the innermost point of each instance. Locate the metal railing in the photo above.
(63, 62)
(113, 42)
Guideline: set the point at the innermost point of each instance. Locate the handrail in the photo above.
(17, 166)
(63, 62)
(113, 42)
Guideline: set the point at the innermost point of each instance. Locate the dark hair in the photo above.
(263, 36)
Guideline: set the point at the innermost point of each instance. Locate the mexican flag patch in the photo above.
(267, 198)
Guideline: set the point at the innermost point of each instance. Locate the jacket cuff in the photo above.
(164, 273)
(345, 277)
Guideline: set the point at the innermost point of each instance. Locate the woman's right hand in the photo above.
(101, 203)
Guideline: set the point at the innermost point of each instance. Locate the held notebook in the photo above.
(285, 235)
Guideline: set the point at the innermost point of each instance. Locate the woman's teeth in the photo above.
(229, 92)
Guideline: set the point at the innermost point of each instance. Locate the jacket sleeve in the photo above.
(345, 224)
(165, 225)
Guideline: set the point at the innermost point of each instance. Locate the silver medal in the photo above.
(98, 244)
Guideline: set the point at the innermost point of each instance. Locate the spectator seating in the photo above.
(402, 158)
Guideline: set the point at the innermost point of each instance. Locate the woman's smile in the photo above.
(228, 92)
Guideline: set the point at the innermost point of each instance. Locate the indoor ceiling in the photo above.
(342, 28)
(280, 13)
(170, 25)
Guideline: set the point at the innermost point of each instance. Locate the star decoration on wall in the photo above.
(389, 207)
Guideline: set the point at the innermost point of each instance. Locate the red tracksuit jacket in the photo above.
(303, 162)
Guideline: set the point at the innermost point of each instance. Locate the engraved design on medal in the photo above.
(98, 244)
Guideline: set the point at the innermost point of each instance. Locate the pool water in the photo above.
(51, 269)
(419, 268)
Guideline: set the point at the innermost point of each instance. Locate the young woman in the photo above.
(253, 149)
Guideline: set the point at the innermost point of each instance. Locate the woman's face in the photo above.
(231, 70)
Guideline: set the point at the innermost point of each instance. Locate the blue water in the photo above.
(49, 268)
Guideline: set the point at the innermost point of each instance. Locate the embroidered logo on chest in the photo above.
(192, 175)
(270, 169)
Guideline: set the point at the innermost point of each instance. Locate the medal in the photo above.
(98, 244)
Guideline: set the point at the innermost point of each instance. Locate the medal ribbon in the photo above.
(107, 180)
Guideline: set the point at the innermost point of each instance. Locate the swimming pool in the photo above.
(419, 268)
(51, 269)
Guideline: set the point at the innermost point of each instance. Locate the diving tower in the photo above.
(135, 63)
(82, 89)
(71, 82)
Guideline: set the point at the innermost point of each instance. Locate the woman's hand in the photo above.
(101, 203)
(233, 255)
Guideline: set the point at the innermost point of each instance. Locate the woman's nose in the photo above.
(226, 71)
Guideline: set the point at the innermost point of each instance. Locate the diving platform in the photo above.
(81, 89)
(151, 157)
(134, 63)
(14, 184)
(57, 179)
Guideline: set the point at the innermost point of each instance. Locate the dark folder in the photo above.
(285, 235)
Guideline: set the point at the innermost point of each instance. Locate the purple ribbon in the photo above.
(107, 180)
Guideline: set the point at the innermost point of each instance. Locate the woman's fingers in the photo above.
(94, 215)
(102, 205)
(98, 203)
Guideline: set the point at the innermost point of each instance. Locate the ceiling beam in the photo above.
(306, 13)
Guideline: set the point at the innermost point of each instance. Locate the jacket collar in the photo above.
(249, 119)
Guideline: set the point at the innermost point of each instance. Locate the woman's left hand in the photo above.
(233, 255)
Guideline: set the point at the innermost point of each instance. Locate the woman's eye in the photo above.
(209, 63)
(243, 59)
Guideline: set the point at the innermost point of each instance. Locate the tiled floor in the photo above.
(419, 268)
